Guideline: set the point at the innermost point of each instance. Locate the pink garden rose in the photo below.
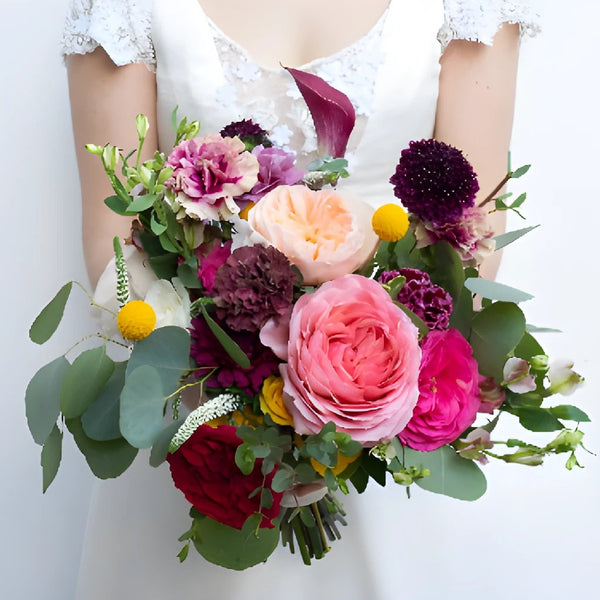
(322, 233)
(208, 172)
(448, 392)
(353, 358)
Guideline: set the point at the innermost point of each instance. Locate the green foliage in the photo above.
(446, 268)
(160, 448)
(51, 456)
(495, 291)
(117, 204)
(509, 237)
(538, 419)
(84, 380)
(569, 413)
(496, 331)
(42, 399)
(141, 203)
(49, 319)
(188, 273)
(105, 459)
(528, 347)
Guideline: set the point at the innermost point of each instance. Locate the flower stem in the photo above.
(497, 188)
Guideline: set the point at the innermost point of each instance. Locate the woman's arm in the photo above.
(105, 100)
(475, 110)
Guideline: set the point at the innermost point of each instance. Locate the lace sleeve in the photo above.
(479, 20)
(121, 27)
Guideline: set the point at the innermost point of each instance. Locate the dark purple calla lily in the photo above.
(331, 110)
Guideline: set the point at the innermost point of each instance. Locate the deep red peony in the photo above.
(204, 469)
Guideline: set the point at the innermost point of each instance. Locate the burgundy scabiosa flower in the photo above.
(253, 285)
(209, 355)
(251, 133)
(427, 300)
(434, 181)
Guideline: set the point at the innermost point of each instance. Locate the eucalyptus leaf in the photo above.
(160, 448)
(569, 413)
(42, 404)
(142, 407)
(51, 456)
(495, 291)
(234, 548)
(101, 420)
(167, 350)
(509, 237)
(450, 474)
(496, 331)
(231, 347)
(84, 380)
(538, 419)
(106, 460)
(49, 319)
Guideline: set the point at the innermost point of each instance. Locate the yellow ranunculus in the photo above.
(271, 401)
(390, 222)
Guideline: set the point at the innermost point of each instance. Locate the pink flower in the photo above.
(210, 258)
(324, 234)
(449, 392)
(353, 358)
(208, 173)
(491, 395)
(517, 377)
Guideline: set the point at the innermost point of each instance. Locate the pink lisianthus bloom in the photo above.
(208, 172)
(353, 358)
(471, 236)
(322, 233)
(448, 392)
(210, 258)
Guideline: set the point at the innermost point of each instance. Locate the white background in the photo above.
(536, 532)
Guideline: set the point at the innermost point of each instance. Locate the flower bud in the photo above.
(142, 126)
(164, 175)
(110, 157)
(539, 362)
(145, 176)
(94, 149)
(563, 380)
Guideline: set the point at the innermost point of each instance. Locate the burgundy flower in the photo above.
(210, 258)
(209, 354)
(204, 469)
(254, 284)
(427, 300)
(249, 132)
(275, 167)
(434, 181)
(387, 276)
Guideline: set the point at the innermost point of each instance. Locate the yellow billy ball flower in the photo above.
(390, 222)
(342, 463)
(136, 320)
(244, 212)
(271, 401)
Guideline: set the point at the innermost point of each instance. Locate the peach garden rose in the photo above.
(353, 358)
(321, 232)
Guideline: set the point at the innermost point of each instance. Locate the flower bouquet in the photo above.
(285, 342)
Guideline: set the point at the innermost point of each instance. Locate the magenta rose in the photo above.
(448, 392)
(204, 469)
(208, 172)
(353, 358)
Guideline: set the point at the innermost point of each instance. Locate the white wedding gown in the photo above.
(391, 76)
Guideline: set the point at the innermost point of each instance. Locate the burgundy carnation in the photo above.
(434, 181)
(427, 300)
(249, 132)
(204, 469)
(254, 284)
(208, 353)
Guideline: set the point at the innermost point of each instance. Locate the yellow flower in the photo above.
(136, 320)
(342, 463)
(244, 212)
(271, 401)
(390, 222)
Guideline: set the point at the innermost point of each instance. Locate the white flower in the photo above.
(563, 380)
(170, 302)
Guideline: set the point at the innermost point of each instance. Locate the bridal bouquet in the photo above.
(286, 342)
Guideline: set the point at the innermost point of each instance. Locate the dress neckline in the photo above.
(311, 64)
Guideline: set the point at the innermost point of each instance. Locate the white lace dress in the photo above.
(391, 76)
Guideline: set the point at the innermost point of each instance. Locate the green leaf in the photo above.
(462, 313)
(520, 171)
(450, 474)
(141, 203)
(167, 349)
(42, 404)
(416, 320)
(188, 273)
(505, 239)
(496, 331)
(156, 227)
(142, 407)
(51, 455)
(234, 548)
(533, 329)
(164, 265)
(538, 419)
(105, 459)
(528, 347)
(283, 479)
(84, 381)
(117, 204)
(234, 351)
(569, 413)
(49, 319)
(495, 291)
(519, 201)
(167, 244)
(101, 420)
(447, 270)
(160, 448)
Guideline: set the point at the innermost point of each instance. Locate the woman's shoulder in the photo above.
(479, 20)
(121, 27)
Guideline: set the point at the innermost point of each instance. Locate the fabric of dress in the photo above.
(391, 76)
